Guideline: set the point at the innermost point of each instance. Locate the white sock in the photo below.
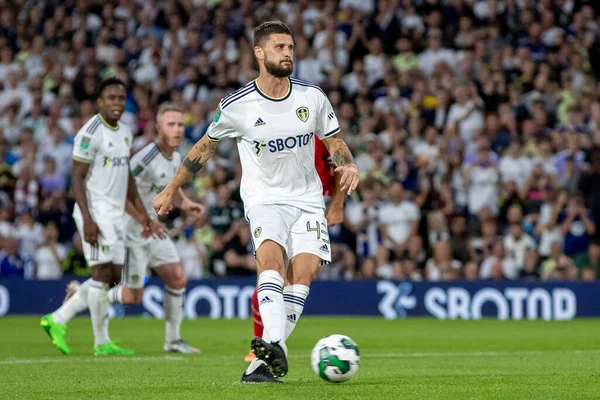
(115, 295)
(98, 304)
(294, 297)
(271, 305)
(173, 304)
(76, 304)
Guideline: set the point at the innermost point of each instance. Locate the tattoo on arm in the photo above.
(194, 165)
(340, 154)
(199, 154)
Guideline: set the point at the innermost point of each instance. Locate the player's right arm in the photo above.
(196, 158)
(84, 151)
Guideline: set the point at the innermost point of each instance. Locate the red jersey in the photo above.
(324, 167)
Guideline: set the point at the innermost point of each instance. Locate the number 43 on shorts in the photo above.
(321, 229)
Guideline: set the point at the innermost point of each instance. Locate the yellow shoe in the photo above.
(249, 356)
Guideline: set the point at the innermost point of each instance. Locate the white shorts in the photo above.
(294, 229)
(110, 247)
(139, 256)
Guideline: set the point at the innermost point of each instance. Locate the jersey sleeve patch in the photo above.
(137, 170)
(221, 127)
(84, 148)
(85, 142)
(217, 114)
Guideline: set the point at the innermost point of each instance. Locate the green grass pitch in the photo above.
(403, 359)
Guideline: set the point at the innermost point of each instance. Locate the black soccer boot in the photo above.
(272, 354)
(260, 375)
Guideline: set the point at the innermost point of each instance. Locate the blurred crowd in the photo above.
(475, 124)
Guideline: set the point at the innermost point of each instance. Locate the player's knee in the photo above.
(182, 281)
(178, 280)
(269, 256)
(173, 275)
(304, 276)
(270, 264)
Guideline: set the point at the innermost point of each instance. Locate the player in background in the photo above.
(335, 215)
(274, 120)
(101, 184)
(153, 168)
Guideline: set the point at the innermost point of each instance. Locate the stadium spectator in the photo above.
(13, 263)
(29, 233)
(467, 120)
(49, 257)
(441, 266)
(518, 244)
(399, 218)
(499, 265)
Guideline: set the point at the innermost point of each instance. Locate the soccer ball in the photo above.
(335, 358)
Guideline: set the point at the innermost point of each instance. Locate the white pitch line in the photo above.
(12, 361)
(45, 360)
(479, 353)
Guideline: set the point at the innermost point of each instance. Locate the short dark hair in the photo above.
(266, 29)
(109, 82)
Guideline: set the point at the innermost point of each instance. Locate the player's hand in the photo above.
(335, 216)
(162, 203)
(194, 209)
(155, 229)
(91, 232)
(350, 177)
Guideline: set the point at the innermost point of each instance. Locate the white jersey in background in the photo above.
(153, 170)
(107, 151)
(275, 139)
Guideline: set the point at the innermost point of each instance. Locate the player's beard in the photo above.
(279, 70)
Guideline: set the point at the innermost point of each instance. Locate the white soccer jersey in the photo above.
(153, 171)
(107, 151)
(275, 139)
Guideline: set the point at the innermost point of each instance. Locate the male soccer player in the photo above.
(153, 168)
(335, 215)
(101, 184)
(274, 120)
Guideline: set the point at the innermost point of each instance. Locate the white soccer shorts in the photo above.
(294, 229)
(110, 247)
(150, 253)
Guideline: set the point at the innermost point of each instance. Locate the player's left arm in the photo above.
(135, 207)
(328, 129)
(134, 213)
(345, 165)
